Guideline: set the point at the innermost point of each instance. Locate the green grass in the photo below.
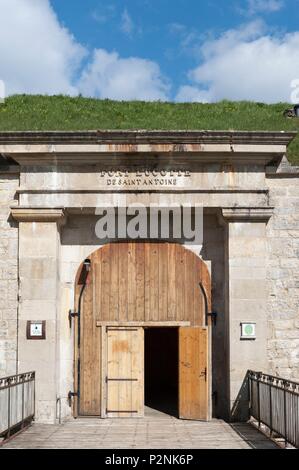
(26, 112)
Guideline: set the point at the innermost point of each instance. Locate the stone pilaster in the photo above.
(246, 274)
(38, 300)
(9, 182)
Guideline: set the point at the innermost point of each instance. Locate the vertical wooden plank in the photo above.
(204, 365)
(131, 281)
(105, 282)
(193, 373)
(84, 351)
(171, 285)
(95, 340)
(114, 292)
(163, 282)
(96, 398)
(90, 390)
(97, 285)
(104, 371)
(137, 364)
(123, 281)
(147, 290)
(112, 372)
(140, 283)
(154, 281)
(76, 350)
(89, 352)
(179, 282)
(189, 286)
(122, 352)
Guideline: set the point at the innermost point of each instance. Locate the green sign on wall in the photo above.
(248, 330)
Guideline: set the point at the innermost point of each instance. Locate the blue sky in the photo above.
(179, 50)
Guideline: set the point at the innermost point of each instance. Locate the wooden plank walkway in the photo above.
(155, 431)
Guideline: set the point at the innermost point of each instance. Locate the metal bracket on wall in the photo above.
(71, 315)
(213, 315)
(70, 395)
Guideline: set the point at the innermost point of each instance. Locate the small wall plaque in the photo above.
(248, 330)
(36, 329)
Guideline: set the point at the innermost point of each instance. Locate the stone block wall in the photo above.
(9, 181)
(283, 277)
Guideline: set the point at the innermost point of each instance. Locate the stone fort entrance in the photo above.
(142, 332)
(140, 296)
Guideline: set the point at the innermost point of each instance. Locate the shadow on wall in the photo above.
(240, 411)
(213, 251)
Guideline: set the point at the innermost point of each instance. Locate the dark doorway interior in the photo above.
(161, 369)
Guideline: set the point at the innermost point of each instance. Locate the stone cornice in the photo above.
(147, 137)
(10, 169)
(262, 214)
(175, 147)
(38, 214)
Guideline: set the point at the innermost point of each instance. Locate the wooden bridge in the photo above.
(155, 431)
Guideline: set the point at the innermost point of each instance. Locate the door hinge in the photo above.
(213, 315)
(70, 395)
(71, 315)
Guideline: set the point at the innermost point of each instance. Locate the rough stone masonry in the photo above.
(283, 273)
(9, 182)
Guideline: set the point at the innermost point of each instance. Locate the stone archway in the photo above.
(122, 289)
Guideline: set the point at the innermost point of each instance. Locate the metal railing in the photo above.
(274, 402)
(17, 402)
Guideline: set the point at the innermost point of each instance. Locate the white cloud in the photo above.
(264, 6)
(127, 24)
(110, 76)
(103, 13)
(245, 64)
(188, 93)
(37, 54)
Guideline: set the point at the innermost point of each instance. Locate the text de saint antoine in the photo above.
(144, 177)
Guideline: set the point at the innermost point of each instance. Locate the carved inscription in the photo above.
(145, 177)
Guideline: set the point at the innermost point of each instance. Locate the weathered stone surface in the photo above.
(8, 275)
(282, 276)
(38, 267)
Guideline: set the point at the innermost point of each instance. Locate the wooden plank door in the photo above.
(193, 373)
(125, 371)
(87, 347)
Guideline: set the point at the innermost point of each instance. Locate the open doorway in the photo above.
(161, 371)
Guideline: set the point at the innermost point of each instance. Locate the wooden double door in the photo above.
(109, 352)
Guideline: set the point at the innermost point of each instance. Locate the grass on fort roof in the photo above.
(36, 112)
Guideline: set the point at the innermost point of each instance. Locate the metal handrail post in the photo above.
(258, 399)
(270, 405)
(8, 407)
(285, 411)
